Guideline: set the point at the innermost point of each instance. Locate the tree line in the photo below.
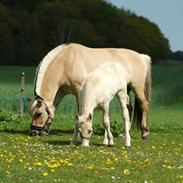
(29, 29)
(177, 55)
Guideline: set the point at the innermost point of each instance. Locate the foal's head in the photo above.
(41, 117)
(84, 124)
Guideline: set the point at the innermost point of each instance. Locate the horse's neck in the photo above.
(47, 89)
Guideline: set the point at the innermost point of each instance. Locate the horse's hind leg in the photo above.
(144, 109)
(123, 98)
(108, 137)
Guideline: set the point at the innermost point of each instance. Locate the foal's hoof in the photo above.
(127, 147)
(111, 144)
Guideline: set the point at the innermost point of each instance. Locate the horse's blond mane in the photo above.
(44, 65)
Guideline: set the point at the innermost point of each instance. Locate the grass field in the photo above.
(50, 159)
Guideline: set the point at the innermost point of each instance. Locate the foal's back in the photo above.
(104, 82)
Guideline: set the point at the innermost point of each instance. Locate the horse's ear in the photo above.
(39, 102)
(90, 116)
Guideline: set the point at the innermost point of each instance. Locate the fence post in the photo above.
(22, 85)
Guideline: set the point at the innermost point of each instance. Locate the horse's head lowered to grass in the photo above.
(41, 117)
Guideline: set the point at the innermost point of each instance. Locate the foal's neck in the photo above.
(87, 103)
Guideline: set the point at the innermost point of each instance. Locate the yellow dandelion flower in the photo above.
(109, 161)
(126, 171)
(21, 160)
(90, 167)
(169, 167)
(37, 164)
(70, 164)
(45, 174)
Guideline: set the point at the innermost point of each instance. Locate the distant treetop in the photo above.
(29, 29)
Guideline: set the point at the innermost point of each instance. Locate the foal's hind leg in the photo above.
(130, 110)
(144, 108)
(108, 137)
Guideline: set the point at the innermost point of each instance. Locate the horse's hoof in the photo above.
(145, 135)
(44, 133)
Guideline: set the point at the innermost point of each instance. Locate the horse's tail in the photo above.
(137, 115)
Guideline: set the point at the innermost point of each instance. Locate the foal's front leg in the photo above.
(74, 136)
(108, 137)
(123, 98)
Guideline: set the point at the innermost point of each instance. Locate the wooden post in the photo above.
(22, 93)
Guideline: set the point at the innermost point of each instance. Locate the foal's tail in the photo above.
(137, 116)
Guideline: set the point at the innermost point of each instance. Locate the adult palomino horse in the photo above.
(101, 85)
(65, 67)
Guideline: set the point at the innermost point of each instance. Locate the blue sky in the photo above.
(167, 14)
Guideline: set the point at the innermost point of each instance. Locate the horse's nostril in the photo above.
(34, 133)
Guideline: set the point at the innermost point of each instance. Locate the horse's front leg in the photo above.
(108, 137)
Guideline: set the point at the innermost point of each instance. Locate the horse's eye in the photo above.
(38, 114)
(89, 131)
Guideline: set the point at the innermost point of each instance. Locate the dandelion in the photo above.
(109, 161)
(126, 171)
(169, 167)
(20, 160)
(37, 164)
(70, 164)
(45, 174)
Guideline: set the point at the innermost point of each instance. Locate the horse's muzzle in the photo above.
(34, 131)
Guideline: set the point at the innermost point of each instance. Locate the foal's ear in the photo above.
(89, 116)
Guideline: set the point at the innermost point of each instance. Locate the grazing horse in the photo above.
(100, 87)
(65, 67)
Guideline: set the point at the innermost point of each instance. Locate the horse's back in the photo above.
(91, 58)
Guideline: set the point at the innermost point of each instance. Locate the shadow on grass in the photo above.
(27, 132)
(59, 131)
(11, 131)
(58, 142)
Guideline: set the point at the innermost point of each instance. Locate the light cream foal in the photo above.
(108, 80)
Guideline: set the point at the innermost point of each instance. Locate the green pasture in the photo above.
(158, 159)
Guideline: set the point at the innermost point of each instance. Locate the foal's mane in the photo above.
(43, 66)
